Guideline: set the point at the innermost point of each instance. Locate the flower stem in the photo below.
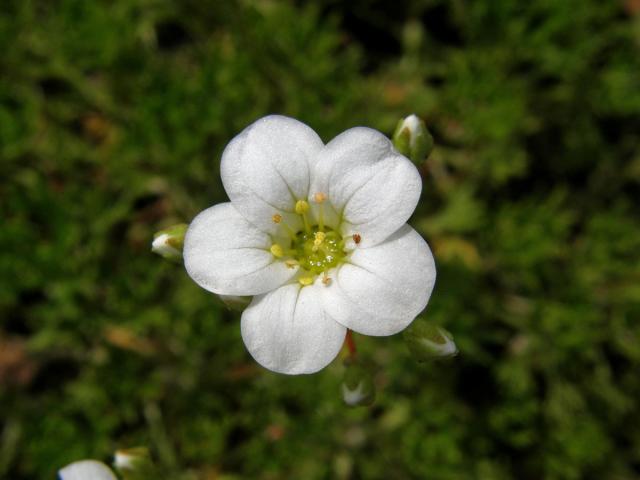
(321, 217)
(307, 226)
(350, 343)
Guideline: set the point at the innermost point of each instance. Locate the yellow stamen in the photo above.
(291, 263)
(325, 279)
(319, 197)
(302, 207)
(304, 281)
(276, 250)
(277, 219)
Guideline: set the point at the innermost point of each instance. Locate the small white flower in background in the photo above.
(317, 234)
(86, 470)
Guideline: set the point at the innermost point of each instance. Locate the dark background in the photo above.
(113, 115)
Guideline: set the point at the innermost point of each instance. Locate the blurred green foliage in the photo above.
(113, 115)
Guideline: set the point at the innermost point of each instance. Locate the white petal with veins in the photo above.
(366, 180)
(288, 331)
(383, 288)
(225, 254)
(266, 168)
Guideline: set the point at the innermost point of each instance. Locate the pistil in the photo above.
(317, 242)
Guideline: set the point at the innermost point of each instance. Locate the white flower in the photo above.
(317, 234)
(86, 470)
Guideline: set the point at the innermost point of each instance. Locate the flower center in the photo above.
(318, 251)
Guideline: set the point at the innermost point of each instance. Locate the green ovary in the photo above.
(318, 256)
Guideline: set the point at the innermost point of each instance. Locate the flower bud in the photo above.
(357, 386)
(427, 342)
(134, 463)
(168, 242)
(412, 139)
(130, 458)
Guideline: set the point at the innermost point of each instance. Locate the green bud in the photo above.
(427, 342)
(235, 302)
(168, 243)
(357, 386)
(413, 36)
(135, 464)
(412, 139)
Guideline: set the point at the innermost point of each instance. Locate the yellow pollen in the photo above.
(319, 197)
(304, 281)
(276, 218)
(302, 207)
(276, 250)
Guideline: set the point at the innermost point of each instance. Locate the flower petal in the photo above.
(225, 254)
(85, 470)
(384, 287)
(266, 169)
(366, 179)
(287, 330)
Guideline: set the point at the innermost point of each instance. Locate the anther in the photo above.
(357, 238)
(325, 279)
(276, 250)
(278, 220)
(291, 263)
(319, 197)
(304, 281)
(302, 207)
